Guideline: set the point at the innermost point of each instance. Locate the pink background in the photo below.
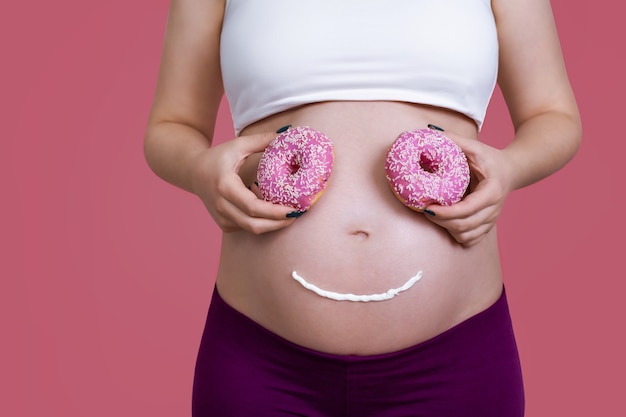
(106, 271)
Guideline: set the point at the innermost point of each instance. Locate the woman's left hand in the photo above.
(469, 220)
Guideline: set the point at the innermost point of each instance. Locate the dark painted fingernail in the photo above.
(256, 183)
(295, 214)
(435, 127)
(283, 129)
(429, 212)
(249, 188)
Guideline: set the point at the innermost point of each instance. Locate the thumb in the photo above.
(258, 142)
(467, 145)
(247, 146)
(460, 210)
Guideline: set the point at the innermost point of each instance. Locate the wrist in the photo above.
(513, 169)
(198, 170)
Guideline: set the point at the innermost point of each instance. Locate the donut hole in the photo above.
(428, 164)
(294, 166)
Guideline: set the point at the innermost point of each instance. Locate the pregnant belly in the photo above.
(362, 241)
(358, 239)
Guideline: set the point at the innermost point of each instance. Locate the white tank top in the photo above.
(279, 54)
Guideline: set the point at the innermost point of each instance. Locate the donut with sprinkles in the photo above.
(425, 167)
(295, 168)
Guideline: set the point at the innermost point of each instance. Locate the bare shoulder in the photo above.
(189, 86)
(532, 72)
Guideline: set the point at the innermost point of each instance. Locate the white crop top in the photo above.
(279, 54)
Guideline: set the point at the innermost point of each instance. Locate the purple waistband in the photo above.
(493, 317)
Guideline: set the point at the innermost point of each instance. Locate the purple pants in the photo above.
(470, 370)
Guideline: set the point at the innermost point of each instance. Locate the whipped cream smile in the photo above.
(388, 295)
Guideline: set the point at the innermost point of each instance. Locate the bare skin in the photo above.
(358, 237)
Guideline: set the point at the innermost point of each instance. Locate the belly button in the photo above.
(361, 233)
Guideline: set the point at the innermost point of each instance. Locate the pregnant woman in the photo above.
(361, 72)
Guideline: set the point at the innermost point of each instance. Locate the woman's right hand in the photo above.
(230, 202)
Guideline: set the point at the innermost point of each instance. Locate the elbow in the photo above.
(566, 123)
(147, 147)
(150, 151)
(575, 132)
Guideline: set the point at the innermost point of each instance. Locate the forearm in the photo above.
(542, 145)
(171, 150)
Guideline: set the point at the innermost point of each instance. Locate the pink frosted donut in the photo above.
(295, 167)
(425, 167)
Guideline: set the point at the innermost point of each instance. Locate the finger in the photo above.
(461, 210)
(248, 145)
(266, 221)
(236, 193)
(485, 195)
(254, 187)
(259, 225)
(254, 207)
(473, 236)
(254, 143)
(466, 228)
(469, 146)
(256, 225)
